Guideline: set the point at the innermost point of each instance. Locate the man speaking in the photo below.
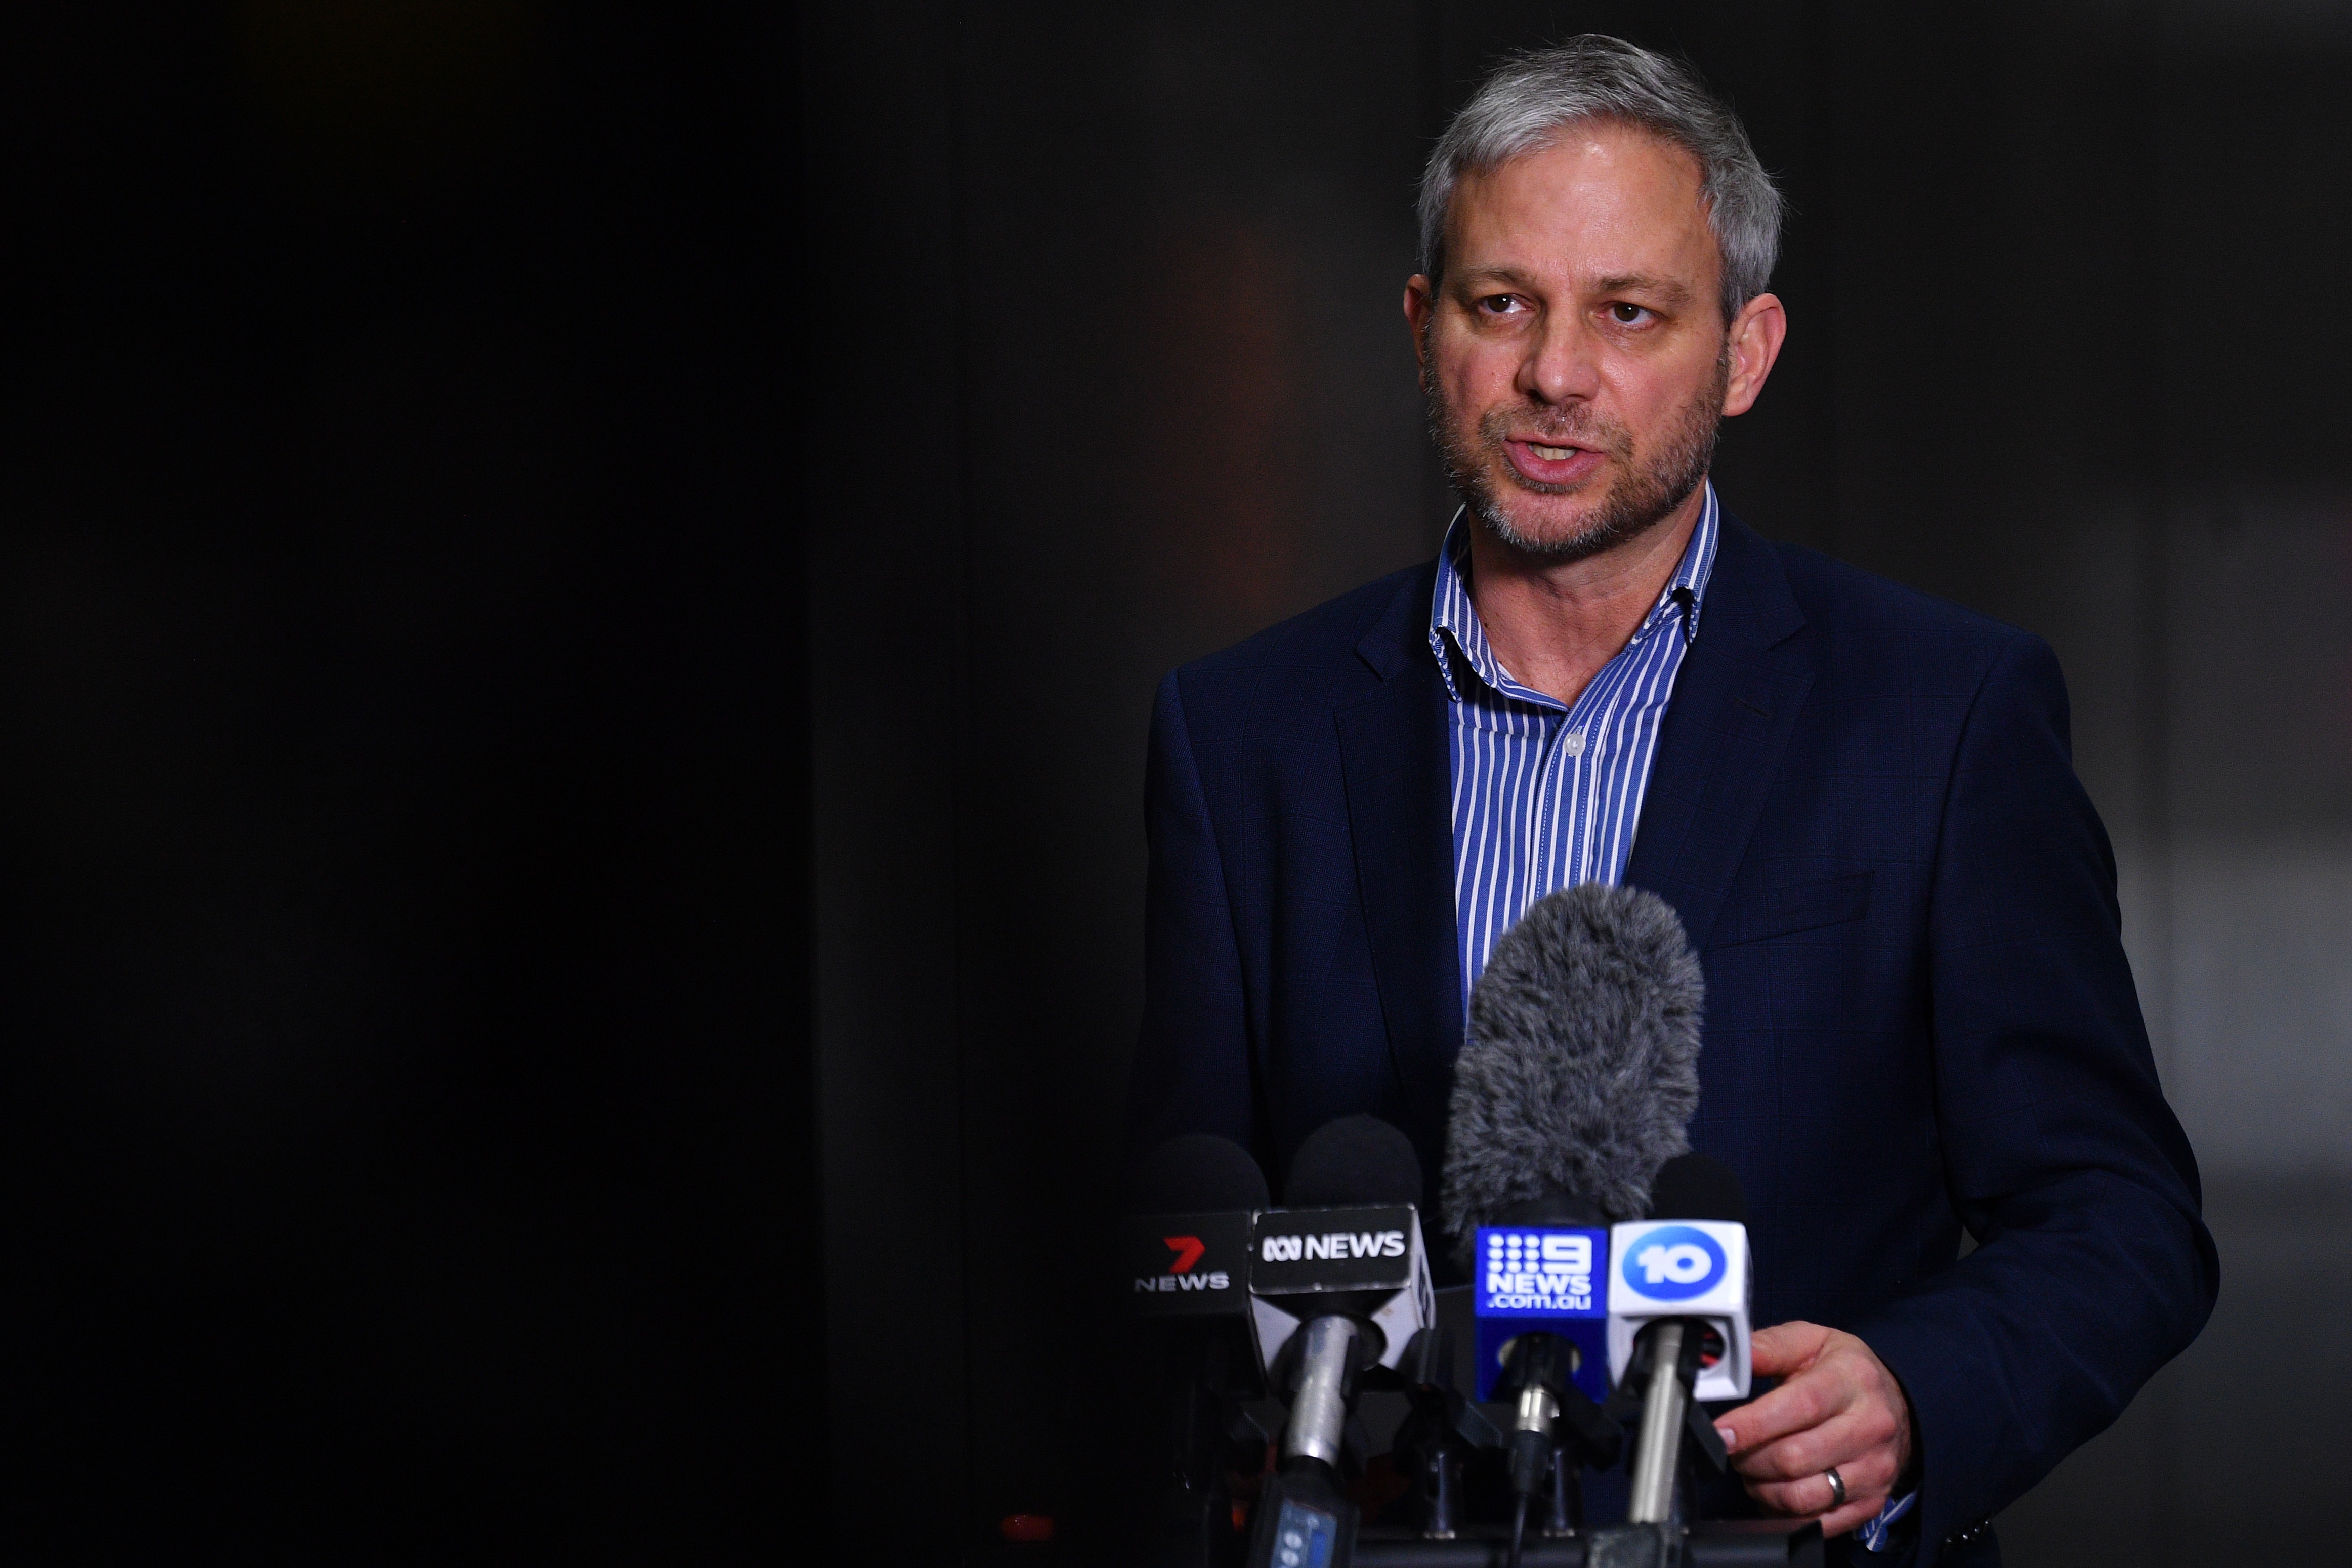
(1860, 801)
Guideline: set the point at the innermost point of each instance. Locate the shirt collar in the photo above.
(1453, 619)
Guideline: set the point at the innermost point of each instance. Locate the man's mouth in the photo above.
(1548, 463)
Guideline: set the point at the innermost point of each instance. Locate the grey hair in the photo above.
(1535, 96)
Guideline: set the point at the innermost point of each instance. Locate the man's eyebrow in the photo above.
(1509, 276)
(1663, 289)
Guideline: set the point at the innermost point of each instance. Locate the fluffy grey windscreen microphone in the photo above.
(1581, 1068)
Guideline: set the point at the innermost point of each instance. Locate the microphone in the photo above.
(1186, 1242)
(1679, 1311)
(1184, 1252)
(1338, 1286)
(1571, 1094)
(1582, 1067)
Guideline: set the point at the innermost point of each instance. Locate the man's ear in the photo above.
(1752, 344)
(1419, 305)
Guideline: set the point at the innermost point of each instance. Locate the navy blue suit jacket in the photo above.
(1920, 1016)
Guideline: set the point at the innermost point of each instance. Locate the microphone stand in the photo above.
(1440, 1436)
(1214, 1425)
(1658, 1442)
(1304, 1517)
(1554, 1431)
(1652, 1536)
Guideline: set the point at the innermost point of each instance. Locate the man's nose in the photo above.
(1561, 366)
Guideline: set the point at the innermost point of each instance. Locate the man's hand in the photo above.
(1837, 1405)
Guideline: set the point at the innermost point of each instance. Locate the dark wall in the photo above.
(405, 778)
(1121, 377)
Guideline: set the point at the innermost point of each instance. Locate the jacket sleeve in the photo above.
(2092, 1267)
(1193, 1064)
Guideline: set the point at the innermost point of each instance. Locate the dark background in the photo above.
(579, 591)
(403, 720)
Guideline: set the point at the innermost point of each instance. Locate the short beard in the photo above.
(1644, 494)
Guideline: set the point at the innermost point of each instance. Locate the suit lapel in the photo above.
(1736, 701)
(1395, 760)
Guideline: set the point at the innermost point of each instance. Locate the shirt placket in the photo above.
(1584, 719)
(1539, 860)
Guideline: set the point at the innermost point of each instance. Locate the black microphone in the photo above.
(1695, 1187)
(1573, 1089)
(1199, 1269)
(1184, 1249)
(1338, 1286)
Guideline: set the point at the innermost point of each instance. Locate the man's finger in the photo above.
(1802, 1402)
(1844, 1442)
(1854, 1516)
(1868, 1478)
(1840, 1441)
(1784, 1348)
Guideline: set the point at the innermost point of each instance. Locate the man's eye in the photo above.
(1498, 304)
(1626, 315)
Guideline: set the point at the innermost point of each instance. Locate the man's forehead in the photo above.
(1606, 205)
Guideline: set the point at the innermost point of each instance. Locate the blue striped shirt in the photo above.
(1547, 795)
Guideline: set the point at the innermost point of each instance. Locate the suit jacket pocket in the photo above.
(1808, 906)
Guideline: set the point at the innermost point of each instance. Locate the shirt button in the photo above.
(1576, 743)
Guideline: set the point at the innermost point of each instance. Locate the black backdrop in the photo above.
(404, 982)
(554, 557)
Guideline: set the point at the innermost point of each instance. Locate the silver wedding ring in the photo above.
(1837, 1487)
